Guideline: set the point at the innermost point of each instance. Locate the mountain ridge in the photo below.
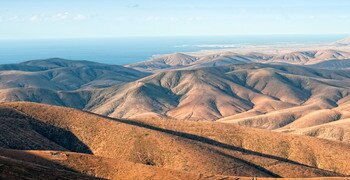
(259, 95)
(159, 143)
(309, 58)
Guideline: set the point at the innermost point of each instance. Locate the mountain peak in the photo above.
(58, 62)
(177, 59)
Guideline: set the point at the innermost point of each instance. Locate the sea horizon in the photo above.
(126, 50)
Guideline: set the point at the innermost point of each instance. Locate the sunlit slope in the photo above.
(195, 147)
(239, 93)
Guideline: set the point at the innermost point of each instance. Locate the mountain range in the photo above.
(205, 115)
(280, 97)
(324, 58)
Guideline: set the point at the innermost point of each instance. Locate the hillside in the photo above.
(316, 58)
(343, 42)
(176, 60)
(277, 97)
(311, 57)
(181, 61)
(168, 146)
(35, 164)
(60, 82)
(59, 74)
(238, 91)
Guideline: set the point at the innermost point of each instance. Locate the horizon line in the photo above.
(174, 36)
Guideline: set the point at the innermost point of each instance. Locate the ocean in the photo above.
(129, 50)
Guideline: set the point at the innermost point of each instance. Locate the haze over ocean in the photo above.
(130, 50)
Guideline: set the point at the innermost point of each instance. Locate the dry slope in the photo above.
(188, 147)
(60, 82)
(338, 59)
(237, 92)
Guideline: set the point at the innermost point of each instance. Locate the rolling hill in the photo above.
(218, 92)
(312, 57)
(181, 61)
(156, 148)
(291, 99)
(316, 58)
(60, 82)
(286, 98)
(343, 42)
(60, 74)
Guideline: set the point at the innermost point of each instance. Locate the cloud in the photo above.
(311, 17)
(133, 6)
(34, 18)
(9, 18)
(13, 18)
(172, 18)
(121, 19)
(193, 18)
(61, 16)
(79, 17)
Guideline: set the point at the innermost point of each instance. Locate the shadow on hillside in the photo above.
(215, 143)
(211, 142)
(202, 139)
(16, 164)
(60, 136)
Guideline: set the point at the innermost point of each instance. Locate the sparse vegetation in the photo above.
(174, 148)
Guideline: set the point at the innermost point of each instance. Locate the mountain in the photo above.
(323, 59)
(109, 148)
(298, 57)
(176, 60)
(59, 74)
(333, 64)
(181, 61)
(53, 63)
(218, 92)
(315, 58)
(343, 42)
(59, 81)
(285, 98)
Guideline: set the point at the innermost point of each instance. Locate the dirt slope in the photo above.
(238, 91)
(192, 147)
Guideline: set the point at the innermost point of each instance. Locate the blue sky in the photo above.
(115, 18)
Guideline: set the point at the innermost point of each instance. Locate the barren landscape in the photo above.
(204, 115)
(175, 90)
(158, 149)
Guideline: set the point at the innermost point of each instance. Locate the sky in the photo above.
(128, 18)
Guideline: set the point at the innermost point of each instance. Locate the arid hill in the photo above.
(60, 82)
(286, 98)
(237, 92)
(159, 148)
(176, 60)
(59, 74)
(313, 58)
(38, 164)
(291, 99)
(343, 42)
